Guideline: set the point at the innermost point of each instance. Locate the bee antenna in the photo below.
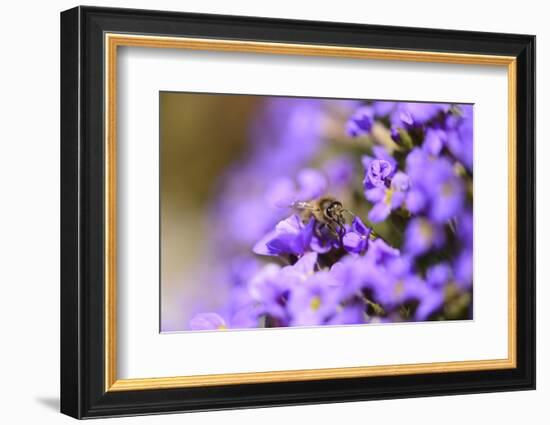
(349, 212)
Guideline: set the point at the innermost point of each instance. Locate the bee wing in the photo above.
(303, 205)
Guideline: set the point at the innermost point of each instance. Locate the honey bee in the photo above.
(328, 212)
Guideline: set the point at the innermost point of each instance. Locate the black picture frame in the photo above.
(83, 392)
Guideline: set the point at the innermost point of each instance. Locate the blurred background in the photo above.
(201, 135)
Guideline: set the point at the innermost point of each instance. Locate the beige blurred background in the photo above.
(200, 136)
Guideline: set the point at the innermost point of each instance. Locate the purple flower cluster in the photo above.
(373, 225)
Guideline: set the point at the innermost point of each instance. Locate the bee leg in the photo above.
(342, 226)
(333, 230)
(318, 228)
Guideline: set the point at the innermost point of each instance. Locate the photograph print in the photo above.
(304, 212)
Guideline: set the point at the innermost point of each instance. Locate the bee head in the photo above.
(334, 209)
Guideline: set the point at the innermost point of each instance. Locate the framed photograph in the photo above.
(261, 212)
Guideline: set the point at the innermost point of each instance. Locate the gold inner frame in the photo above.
(113, 41)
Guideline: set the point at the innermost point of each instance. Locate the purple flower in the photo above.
(417, 163)
(395, 135)
(383, 107)
(242, 268)
(246, 317)
(447, 200)
(340, 172)
(207, 321)
(294, 275)
(356, 240)
(380, 252)
(370, 271)
(312, 184)
(414, 114)
(283, 192)
(465, 229)
(416, 200)
(386, 199)
(290, 236)
(377, 172)
(460, 135)
(434, 141)
(271, 286)
(381, 152)
(286, 135)
(238, 297)
(430, 300)
(438, 275)
(323, 241)
(227, 218)
(349, 314)
(444, 189)
(432, 295)
(349, 272)
(314, 301)
(267, 288)
(434, 187)
(397, 283)
(464, 269)
(242, 310)
(421, 236)
(361, 122)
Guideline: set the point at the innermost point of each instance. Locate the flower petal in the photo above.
(379, 212)
(207, 321)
